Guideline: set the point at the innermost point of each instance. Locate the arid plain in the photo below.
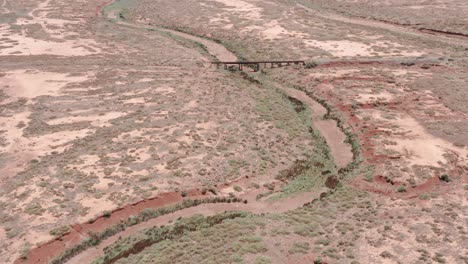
(120, 142)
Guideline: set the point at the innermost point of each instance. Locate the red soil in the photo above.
(54, 248)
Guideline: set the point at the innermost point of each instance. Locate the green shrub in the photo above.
(34, 209)
(310, 65)
(60, 231)
(107, 213)
(213, 190)
(445, 178)
(299, 247)
(424, 196)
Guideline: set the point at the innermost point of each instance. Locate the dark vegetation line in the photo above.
(128, 245)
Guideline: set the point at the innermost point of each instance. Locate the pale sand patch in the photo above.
(190, 105)
(136, 100)
(145, 80)
(51, 25)
(133, 134)
(113, 155)
(136, 92)
(87, 164)
(403, 72)
(243, 8)
(30, 46)
(346, 48)
(96, 207)
(31, 84)
(374, 97)
(3, 236)
(12, 133)
(417, 146)
(272, 30)
(335, 73)
(186, 139)
(221, 22)
(56, 28)
(207, 125)
(218, 19)
(165, 90)
(96, 120)
(417, 7)
(103, 183)
(57, 141)
(161, 168)
(409, 51)
(142, 153)
(22, 150)
(341, 48)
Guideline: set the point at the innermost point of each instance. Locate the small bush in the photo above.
(107, 213)
(310, 65)
(298, 247)
(401, 189)
(408, 63)
(445, 178)
(262, 260)
(269, 186)
(424, 196)
(213, 190)
(237, 188)
(60, 231)
(257, 186)
(34, 209)
(385, 254)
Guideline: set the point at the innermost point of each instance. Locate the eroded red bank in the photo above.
(48, 251)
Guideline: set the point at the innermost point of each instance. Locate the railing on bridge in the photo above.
(256, 64)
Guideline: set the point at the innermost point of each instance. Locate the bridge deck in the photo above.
(257, 62)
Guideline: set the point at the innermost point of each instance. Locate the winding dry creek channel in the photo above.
(334, 136)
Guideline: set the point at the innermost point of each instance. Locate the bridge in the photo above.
(256, 64)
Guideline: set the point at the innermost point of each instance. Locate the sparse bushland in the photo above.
(299, 247)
